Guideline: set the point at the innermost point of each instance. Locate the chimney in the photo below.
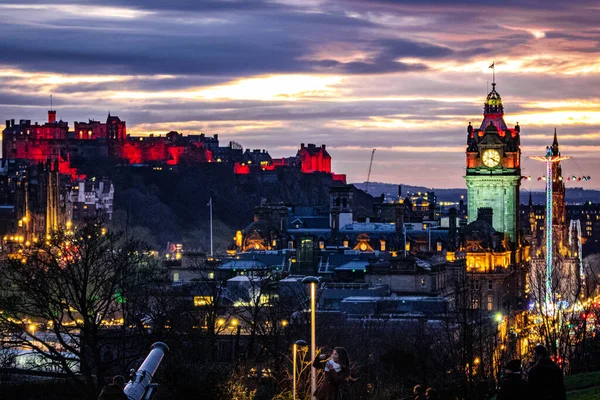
(323, 146)
(7, 123)
(452, 226)
(301, 145)
(12, 122)
(51, 116)
(485, 214)
(399, 191)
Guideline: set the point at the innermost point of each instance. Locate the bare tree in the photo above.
(66, 299)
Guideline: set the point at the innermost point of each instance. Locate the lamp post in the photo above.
(313, 294)
(296, 344)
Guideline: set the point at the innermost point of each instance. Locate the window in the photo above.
(490, 302)
(211, 275)
(321, 244)
(382, 245)
(490, 285)
(345, 244)
(291, 244)
(176, 277)
(422, 283)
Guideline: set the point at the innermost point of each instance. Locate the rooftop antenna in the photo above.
(493, 67)
(50, 102)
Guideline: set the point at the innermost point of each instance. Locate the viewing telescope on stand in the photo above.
(140, 387)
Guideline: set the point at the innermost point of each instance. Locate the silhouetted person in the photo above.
(419, 392)
(431, 394)
(114, 390)
(545, 377)
(512, 386)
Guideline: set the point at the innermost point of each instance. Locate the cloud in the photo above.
(404, 77)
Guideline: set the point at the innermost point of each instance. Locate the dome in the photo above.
(493, 102)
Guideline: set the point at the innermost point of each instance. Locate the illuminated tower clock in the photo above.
(494, 168)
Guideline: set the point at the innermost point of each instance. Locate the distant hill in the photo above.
(390, 191)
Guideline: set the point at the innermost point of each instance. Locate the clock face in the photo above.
(491, 158)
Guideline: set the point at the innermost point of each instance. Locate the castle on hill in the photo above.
(54, 142)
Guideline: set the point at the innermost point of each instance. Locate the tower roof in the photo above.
(555, 149)
(493, 110)
(493, 102)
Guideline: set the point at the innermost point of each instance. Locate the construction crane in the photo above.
(369, 174)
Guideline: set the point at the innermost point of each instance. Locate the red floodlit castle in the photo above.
(53, 142)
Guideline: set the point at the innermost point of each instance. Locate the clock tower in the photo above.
(494, 169)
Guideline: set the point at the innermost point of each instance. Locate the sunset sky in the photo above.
(404, 77)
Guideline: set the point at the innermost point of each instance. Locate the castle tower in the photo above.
(493, 174)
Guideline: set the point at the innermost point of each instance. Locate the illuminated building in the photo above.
(91, 198)
(40, 200)
(53, 141)
(314, 159)
(556, 261)
(496, 256)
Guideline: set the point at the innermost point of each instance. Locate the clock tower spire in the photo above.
(493, 173)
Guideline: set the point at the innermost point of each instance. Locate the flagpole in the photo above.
(211, 227)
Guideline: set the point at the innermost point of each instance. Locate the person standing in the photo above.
(419, 392)
(431, 394)
(545, 380)
(336, 371)
(512, 386)
(114, 390)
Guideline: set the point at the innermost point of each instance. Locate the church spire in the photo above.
(555, 150)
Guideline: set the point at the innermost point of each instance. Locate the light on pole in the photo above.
(313, 294)
(296, 344)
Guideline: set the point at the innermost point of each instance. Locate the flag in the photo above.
(209, 202)
(492, 65)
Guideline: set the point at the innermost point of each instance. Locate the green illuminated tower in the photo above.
(494, 169)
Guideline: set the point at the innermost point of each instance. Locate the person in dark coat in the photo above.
(545, 377)
(336, 371)
(419, 392)
(512, 386)
(431, 394)
(114, 390)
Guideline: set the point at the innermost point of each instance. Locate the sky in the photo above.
(403, 77)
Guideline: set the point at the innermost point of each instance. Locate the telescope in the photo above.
(140, 387)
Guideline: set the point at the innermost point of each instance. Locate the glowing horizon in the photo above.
(403, 78)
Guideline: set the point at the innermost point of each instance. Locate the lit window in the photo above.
(345, 243)
(211, 275)
(176, 277)
(422, 283)
(321, 244)
(200, 301)
(490, 303)
(382, 245)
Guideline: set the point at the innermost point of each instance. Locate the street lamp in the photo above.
(296, 344)
(313, 294)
